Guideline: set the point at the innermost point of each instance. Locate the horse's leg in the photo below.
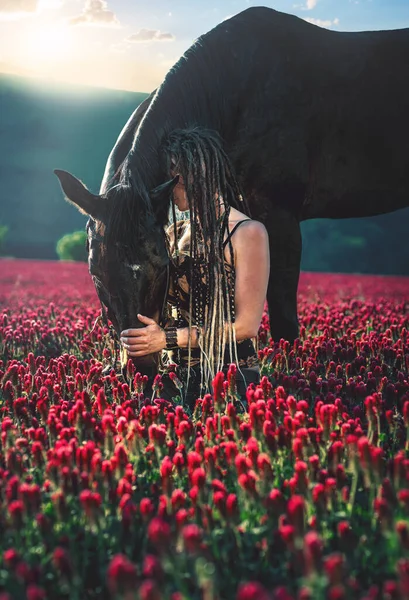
(285, 258)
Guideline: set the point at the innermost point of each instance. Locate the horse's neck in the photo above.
(194, 92)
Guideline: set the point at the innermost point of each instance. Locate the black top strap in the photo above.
(233, 230)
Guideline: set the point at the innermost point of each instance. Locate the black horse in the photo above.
(316, 123)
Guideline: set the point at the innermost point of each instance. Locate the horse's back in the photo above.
(324, 117)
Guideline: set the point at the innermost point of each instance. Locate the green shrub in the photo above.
(3, 232)
(72, 246)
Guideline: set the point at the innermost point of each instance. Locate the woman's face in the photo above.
(179, 195)
(179, 191)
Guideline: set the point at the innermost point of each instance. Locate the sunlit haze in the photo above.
(46, 44)
(130, 45)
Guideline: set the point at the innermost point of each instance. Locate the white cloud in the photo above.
(96, 13)
(320, 23)
(18, 6)
(15, 10)
(150, 35)
(11, 10)
(309, 5)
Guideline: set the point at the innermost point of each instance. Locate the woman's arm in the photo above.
(252, 265)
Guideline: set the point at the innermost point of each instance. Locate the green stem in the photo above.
(354, 487)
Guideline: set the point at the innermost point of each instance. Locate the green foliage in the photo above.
(3, 232)
(72, 246)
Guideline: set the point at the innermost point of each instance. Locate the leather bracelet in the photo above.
(171, 338)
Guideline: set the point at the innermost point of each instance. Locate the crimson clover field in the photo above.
(106, 494)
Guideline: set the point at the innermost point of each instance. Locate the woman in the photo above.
(219, 271)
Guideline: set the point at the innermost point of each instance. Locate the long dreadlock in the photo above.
(211, 189)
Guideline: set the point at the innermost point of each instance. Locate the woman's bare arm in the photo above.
(252, 264)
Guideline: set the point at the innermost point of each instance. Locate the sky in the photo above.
(131, 44)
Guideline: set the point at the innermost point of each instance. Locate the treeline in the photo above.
(378, 245)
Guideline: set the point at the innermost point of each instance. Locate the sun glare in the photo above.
(47, 44)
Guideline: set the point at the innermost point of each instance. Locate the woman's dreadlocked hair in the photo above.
(211, 189)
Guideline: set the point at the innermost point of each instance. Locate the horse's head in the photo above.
(127, 254)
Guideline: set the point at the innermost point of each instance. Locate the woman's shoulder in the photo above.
(247, 226)
(251, 232)
(236, 215)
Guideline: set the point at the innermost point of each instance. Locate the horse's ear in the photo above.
(76, 193)
(160, 198)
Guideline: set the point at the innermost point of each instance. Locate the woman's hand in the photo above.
(144, 341)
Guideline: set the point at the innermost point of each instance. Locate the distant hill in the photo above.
(44, 126)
